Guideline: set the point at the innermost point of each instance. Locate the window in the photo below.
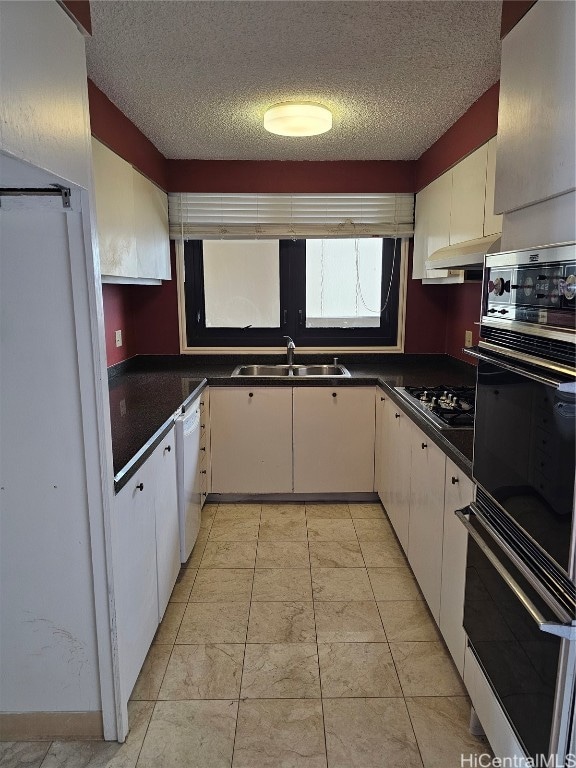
(322, 292)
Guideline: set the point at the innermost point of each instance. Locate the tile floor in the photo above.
(296, 637)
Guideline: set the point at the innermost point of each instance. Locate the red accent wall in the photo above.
(118, 317)
(352, 176)
(512, 12)
(463, 312)
(79, 11)
(111, 126)
(476, 126)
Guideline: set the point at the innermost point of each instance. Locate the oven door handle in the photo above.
(567, 631)
(514, 368)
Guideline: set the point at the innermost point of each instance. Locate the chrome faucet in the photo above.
(290, 349)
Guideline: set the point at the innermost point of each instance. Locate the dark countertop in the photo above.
(147, 390)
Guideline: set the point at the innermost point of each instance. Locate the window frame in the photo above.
(196, 337)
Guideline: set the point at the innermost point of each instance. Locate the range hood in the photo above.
(467, 254)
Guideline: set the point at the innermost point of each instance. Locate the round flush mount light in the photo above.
(302, 119)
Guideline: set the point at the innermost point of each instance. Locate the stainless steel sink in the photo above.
(307, 371)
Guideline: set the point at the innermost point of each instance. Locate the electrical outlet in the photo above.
(118, 338)
(468, 339)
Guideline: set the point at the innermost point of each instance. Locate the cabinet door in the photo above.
(492, 221)
(396, 468)
(334, 429)
(535, 159)
(459, 493)
(163, 464)
(468, 196)
(135, 584)
(251, 439)
(379, 442)
(432, 222)
(205, 451)
(427, 517)
(114, 212)
(151, 228)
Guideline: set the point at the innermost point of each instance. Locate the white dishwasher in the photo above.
(188, 476)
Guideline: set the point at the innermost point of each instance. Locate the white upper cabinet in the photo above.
(536, 149)
(132, 221)
(151, 228)
(492, 221)
(432, 222)
(468, 197)
(114, 212)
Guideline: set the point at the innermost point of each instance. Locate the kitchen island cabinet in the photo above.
(334, 429)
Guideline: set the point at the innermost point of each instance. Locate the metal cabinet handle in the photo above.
(168, 448)
(250, 394)
(334, 394)
(202, 426)
(424, 445)
(140, 487)
(396, 415)
(203, 471)
(202, 449)
(382, 399)
(454, 480)
(204, 493)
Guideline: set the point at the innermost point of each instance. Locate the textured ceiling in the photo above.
(196, 77)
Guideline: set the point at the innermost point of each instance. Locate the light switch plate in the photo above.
(468, 338)
(118, 338)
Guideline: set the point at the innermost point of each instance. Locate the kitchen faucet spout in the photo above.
(290, 349)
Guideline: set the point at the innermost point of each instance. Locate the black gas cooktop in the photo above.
(447, 407)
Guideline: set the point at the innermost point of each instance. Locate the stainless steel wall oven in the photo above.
(520, 599)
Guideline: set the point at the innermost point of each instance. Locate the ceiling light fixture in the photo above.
(298, 119)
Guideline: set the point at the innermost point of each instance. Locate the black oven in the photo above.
(520, 596)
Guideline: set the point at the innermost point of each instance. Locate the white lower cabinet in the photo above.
(334, 429)
(205, 461)
(395, 466)
(146, 556)
(426, 517)
(459, 492)
(167, 525)
(251, 439)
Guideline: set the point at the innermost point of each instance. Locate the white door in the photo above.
(334, 430)
(427, 517)
(459, 493)
(251, 439)
(163, 464)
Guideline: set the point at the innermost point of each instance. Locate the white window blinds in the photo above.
(197, 216)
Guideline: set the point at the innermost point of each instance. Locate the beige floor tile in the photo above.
(327, 511)
(425, 669)
(190, 734)
(407, 620)
(222, 585)
(282, 554)
(281, 622)
(198, 550)
(281, 671)
(330, 530)
(25, 754)
(183, 586)
(373, 530)
(271, 584)
(370, 733)
(207, 516)
(283, 529)
(234, 530)
(341, 584)
(367, 511)
(348, 622)
(449, 716)
(357, 669)
(239, 512)
(393, 584)
(229, 554)
(211, 671)
(214, 623)
(152, 672)
(281, 733)
(335, 554)
(385, 553)
(283, 512)
(102, 754)
(168, 629)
